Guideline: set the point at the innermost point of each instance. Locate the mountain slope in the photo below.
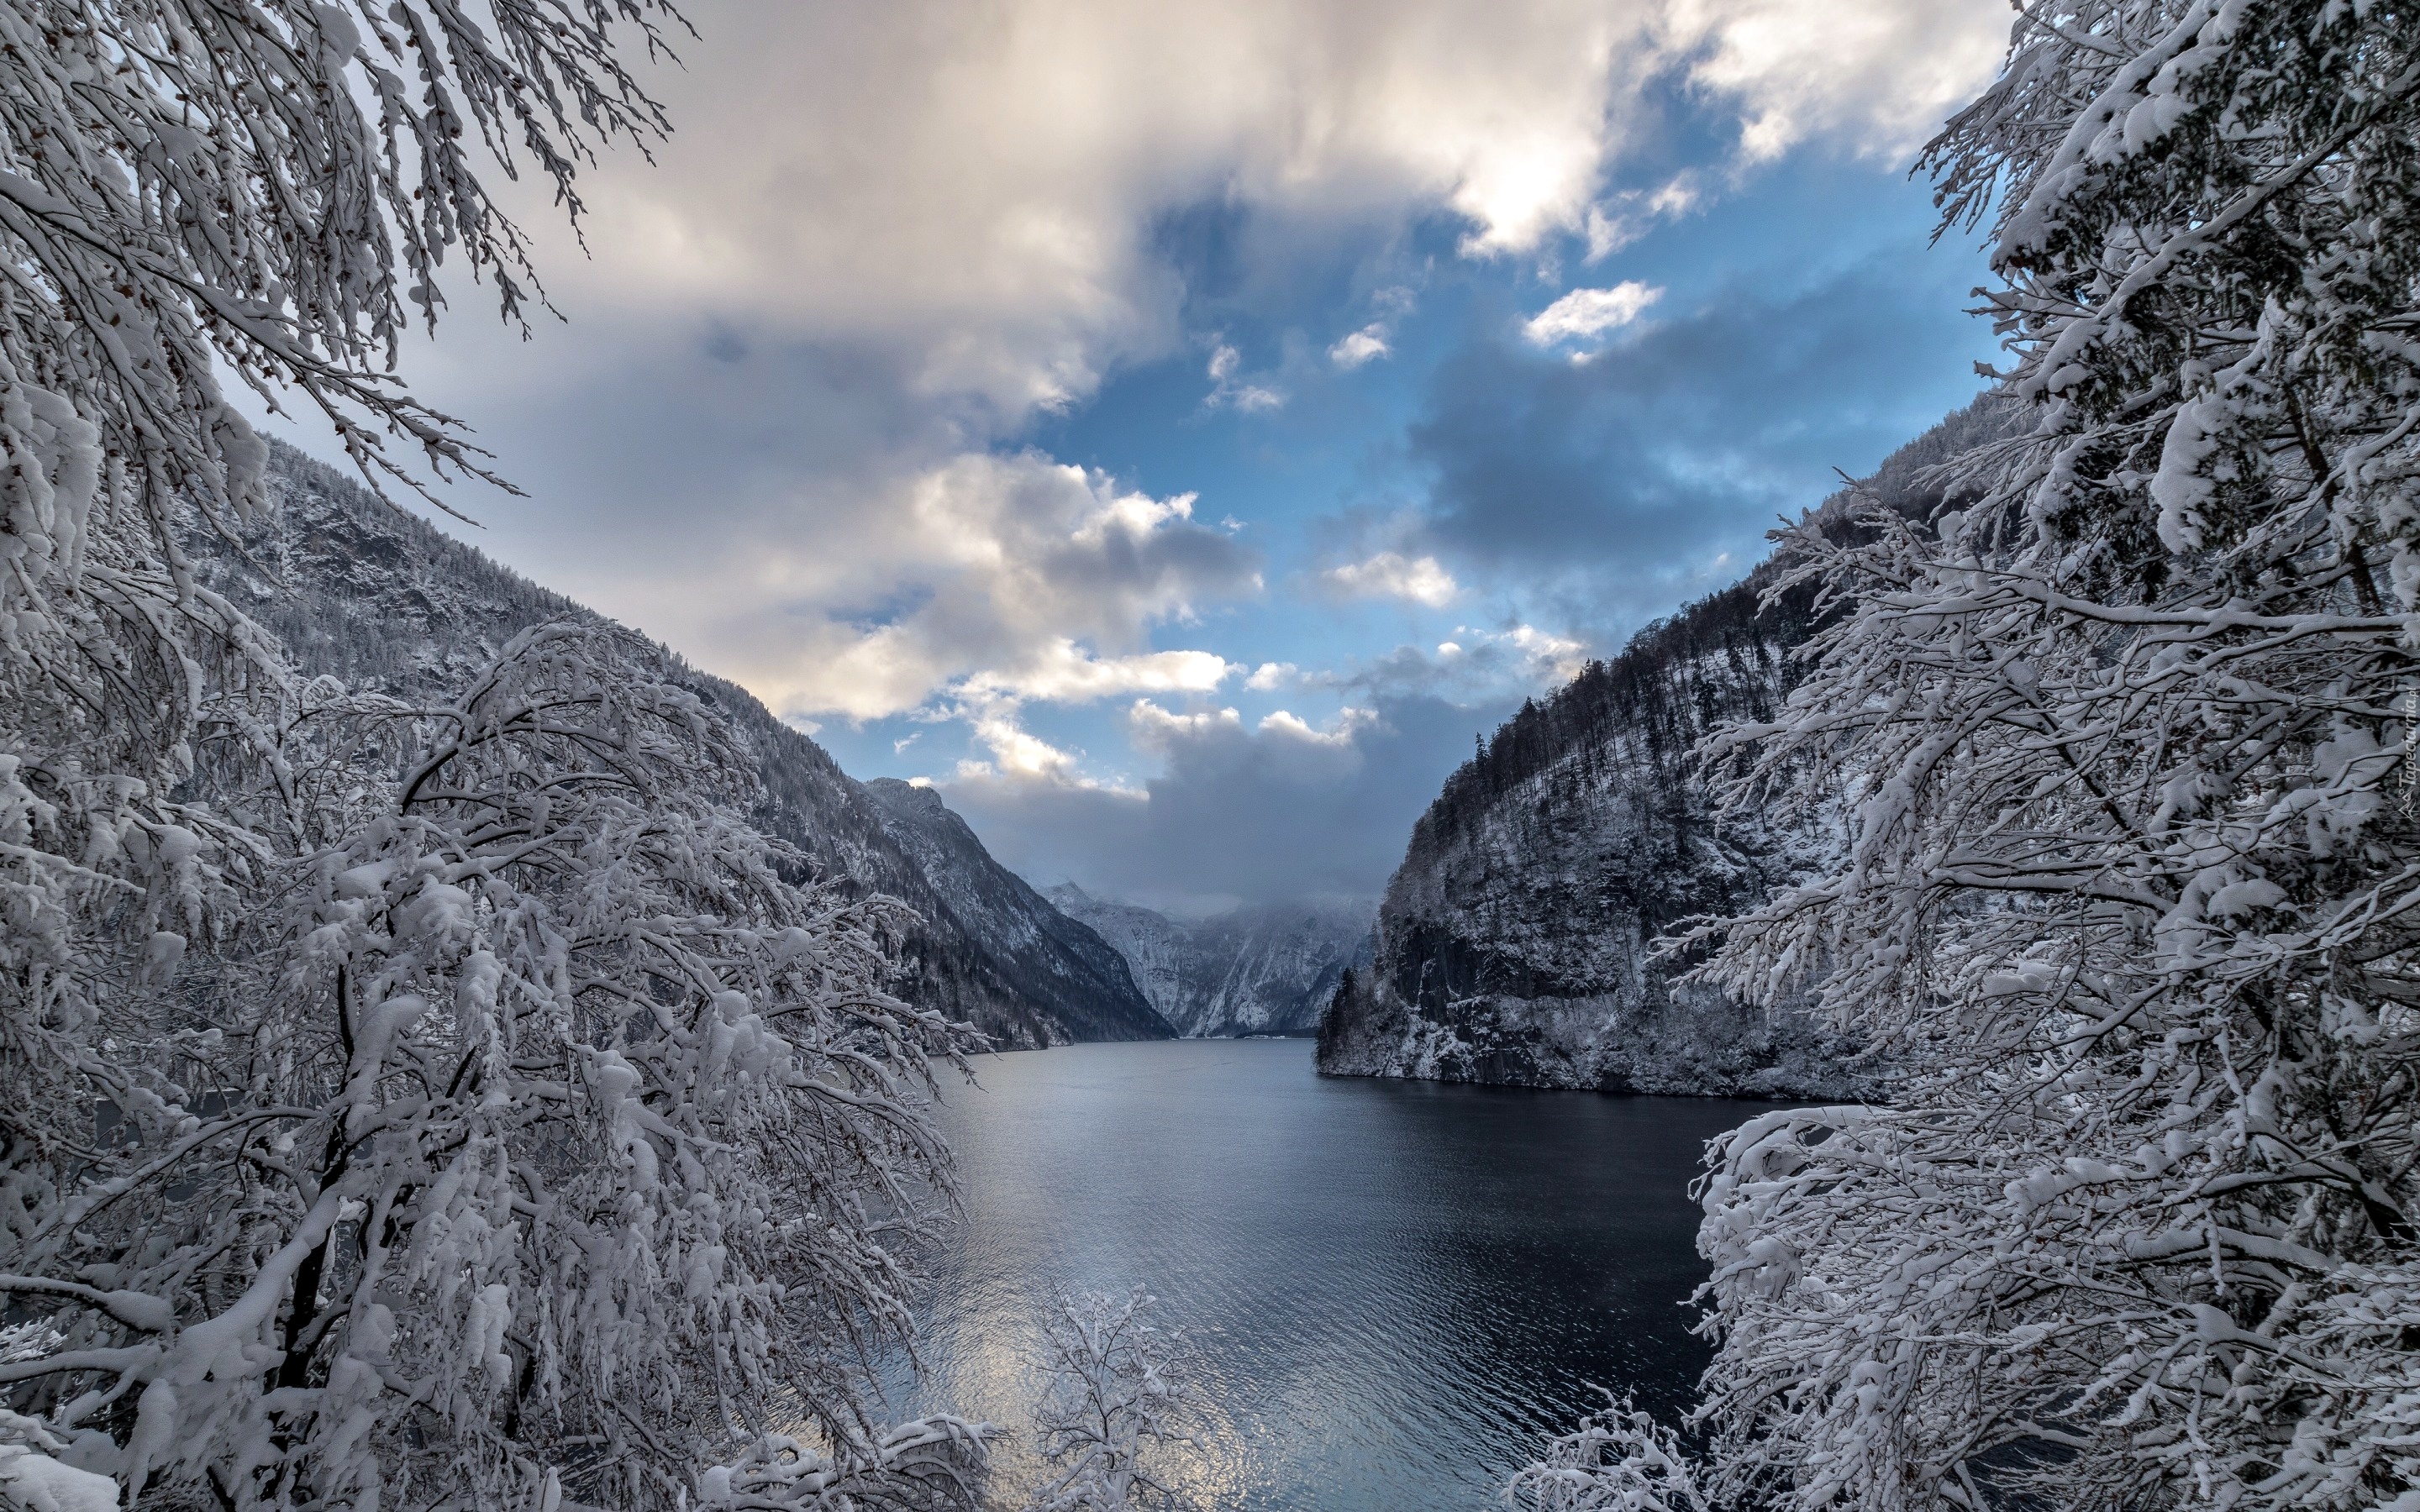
(1514, 940)
(366, 593)
(1046, 946)
(1264, 968)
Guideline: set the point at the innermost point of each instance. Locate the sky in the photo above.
(1175, 433)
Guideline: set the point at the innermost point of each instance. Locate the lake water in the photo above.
(1391, 1291)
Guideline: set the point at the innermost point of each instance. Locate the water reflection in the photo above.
(1391, 1291)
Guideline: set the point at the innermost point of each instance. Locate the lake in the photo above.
(1391, 1291)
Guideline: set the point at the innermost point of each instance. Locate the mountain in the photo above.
(362, 590)
(1264, 968)
(1065, 959)
(1513, 943)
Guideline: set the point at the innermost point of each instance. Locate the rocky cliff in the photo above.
(1065, 961)
(380, 598)
(1262, 968)
(1513, 943)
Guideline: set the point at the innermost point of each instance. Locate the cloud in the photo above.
(1589, 312)
(995, 580)
(970, 185)
(1649, 472)
(1061, 671)
(1391, 574)
(1269, 676)
(1479, 666)
(1619, 220)
(1229, 391)
(1366, 345)
(1261, 811)
(1878, 74)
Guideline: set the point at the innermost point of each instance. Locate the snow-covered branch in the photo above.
(2123, 740)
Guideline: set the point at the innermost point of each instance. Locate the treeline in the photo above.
(1725, 657)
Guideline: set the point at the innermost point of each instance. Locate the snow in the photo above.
(1261, 968)
(33, 1481)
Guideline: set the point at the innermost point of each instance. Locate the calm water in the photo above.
(1392, 1291)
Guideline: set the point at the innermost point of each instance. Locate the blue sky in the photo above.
(1176, 435)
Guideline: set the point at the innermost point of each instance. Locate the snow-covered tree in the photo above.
(540, 1134)
(459, 1104)
(1618, 1460)
(262, 188)
(2123, 747)
(1116, 1393)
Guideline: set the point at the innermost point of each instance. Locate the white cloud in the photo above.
(1061, 671)
(1477, 666)
(1156, 729)
(1163, 732)
(973, 183)
(1271, 675)
(1392, 575)
(1229, 393)
(1366, 345)
(1615, 223)
(1548, 657)
(1340, 735)
(989, 579)
(952, 207)
(1878, 74)
(1585, 313)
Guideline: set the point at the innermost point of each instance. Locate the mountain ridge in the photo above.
(1259, 968)
(345, 571)
(1515, 943)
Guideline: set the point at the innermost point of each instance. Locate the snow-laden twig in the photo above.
(1117, 1393)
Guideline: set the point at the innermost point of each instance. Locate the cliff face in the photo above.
(1514, 944)
(1264, 968)
(379, 598)
(1058, 960)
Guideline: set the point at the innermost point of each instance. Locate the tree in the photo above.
(263, 188)
(543, 1136)
(267, 188)
(455, 1103)
(1619, 1459)
(2121, 749)
(1116, 1393)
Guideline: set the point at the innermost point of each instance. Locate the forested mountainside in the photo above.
(1059, 953)
(1262, 968)
(1513, 942)
(360, 590)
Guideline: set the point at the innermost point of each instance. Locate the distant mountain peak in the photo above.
(1259, 968)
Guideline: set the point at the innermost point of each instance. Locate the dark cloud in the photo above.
(1243, 811)
(1683, 439)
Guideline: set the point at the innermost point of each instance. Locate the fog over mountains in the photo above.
(1261, 968)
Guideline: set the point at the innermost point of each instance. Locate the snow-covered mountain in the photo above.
(1513, 942)
(1262, 968)
(380, 598)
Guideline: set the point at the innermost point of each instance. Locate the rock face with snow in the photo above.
(1515, 942)
(1264, 968)
(1060, 959)
(359, 590)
